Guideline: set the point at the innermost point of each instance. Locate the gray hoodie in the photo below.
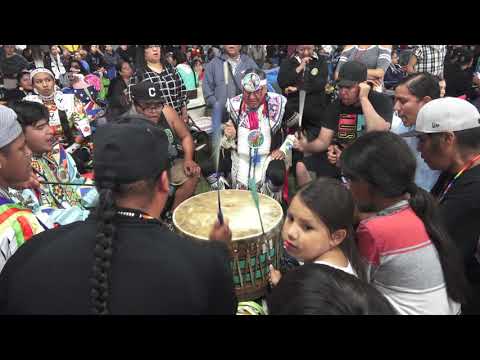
(214, 87)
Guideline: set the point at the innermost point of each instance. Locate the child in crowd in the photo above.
(315, 231)
(315, 289)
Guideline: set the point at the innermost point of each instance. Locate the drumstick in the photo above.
(252, 184)
(301, 101)
(220, 214)
(253, 190)
(58, 183)
(217, 134)
(302, 97)
(62, 183)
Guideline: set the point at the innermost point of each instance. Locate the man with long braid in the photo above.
(122, 259)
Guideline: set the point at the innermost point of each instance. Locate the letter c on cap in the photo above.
(152, 92)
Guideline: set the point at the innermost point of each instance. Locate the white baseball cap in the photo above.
(444, 115)
(10, 129)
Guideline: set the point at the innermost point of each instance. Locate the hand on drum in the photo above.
(191, 168)
(221, 232)
(275, 276)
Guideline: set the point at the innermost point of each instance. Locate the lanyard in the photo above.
(135, 214)
(460, 173)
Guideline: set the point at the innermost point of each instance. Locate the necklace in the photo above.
(47, 98)
(157, 68)
(468, 166)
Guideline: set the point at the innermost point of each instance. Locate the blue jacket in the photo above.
(214, 88)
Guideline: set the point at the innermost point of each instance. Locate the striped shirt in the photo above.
(375, 57)
(402, 262)
(17, 225)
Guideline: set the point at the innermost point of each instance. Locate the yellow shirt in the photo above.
(72, 48)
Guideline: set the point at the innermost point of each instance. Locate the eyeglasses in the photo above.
(152, 46)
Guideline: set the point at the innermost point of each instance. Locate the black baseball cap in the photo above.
(129, 150)
(352, 73)
(147, 91)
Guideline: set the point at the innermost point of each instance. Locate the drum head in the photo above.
(196, 216)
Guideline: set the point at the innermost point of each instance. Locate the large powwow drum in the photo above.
(252, 252)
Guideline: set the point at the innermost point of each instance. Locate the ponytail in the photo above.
(105, 213)
(425, 208)
(350, 250)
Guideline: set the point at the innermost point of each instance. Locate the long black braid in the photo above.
(105, 212)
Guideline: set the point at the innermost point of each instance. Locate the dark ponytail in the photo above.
(350, 250)
(105, 213)
(426, 209)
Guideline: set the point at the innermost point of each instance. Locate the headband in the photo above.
(41, 70)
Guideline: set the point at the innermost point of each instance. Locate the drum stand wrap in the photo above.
(251, 251)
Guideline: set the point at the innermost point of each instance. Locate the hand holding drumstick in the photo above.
(221, 232)
(275, 276)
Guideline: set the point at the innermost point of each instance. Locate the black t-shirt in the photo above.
(11, 66)
(458, 81)
(127, 55)
(153, 271)
(313, 81)
(348, 122)
(460, 210)
(96, 61)
(14, 95)
(117, 96)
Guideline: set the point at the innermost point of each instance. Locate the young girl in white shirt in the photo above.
(319, 228)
